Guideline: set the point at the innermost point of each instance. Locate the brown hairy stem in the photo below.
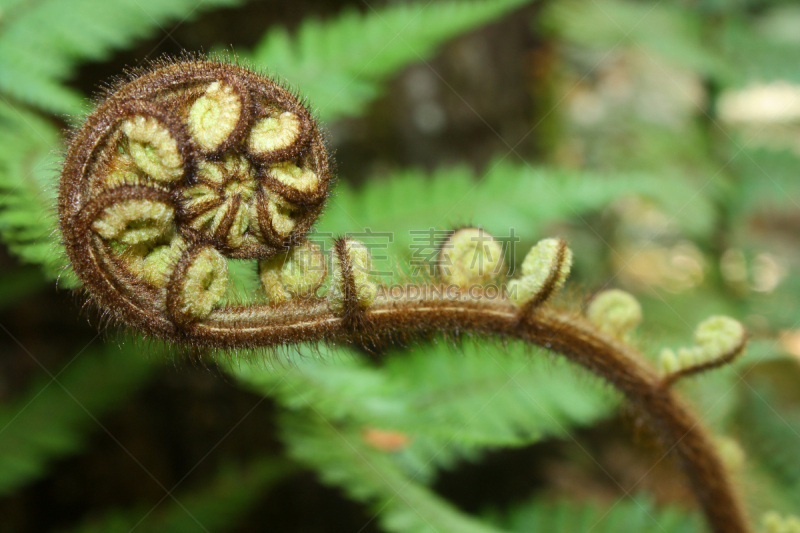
(678, 428)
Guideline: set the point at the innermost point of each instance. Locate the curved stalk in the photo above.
(678, 428)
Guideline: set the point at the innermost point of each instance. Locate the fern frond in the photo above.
(449, 405)
(461, 404)
(341, 458)
(42, 41)
(52, 419)
(494, 397)
(339, 63)
(28, 170)
(631, 515)
(217, 506)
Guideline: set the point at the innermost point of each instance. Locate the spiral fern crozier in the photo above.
(196, 163)
(178, 170)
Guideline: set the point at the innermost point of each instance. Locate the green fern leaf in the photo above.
(28, 170)
(42, 41)
(508, 196)
(340, 456)
(339, 63)
(458, 405)
(630, 515)
(487, 396)
(451, 406)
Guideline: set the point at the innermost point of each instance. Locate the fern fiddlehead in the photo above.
(177, 171)
(195, 163)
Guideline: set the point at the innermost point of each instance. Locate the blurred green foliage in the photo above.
(659, 169)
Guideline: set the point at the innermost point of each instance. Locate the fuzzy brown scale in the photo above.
(193, 163)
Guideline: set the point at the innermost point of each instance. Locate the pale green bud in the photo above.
(271, 134)
(156, 265)
(719, 335)
(301, 179)
(204, 284)
(731, 453)
(668, 362)
(214, 116)
(134, 221)
(773, 522)
(716, 338)
(471, 256)
(545, 268)
(297, 273)
(153, 149)
(616, 312)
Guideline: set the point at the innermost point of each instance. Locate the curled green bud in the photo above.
(718, 340)
(271, 134)
(213, 117)
(282, 216)
(219, 206)
(544, 271)
(689, 357)
(301, 179)
(719, 335)
(543, 257)
(471, 256)
(153, 148)
(155, 263)
(731, 453)
(773, 522)
(350, 276)
(297, 273)
(616, 312)
(668, 362)
(134, 221)
(204, 283)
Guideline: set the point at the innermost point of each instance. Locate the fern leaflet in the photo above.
(42, 41)
(338, 64)
(450, 405)
(630, 515)
(342, 458)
